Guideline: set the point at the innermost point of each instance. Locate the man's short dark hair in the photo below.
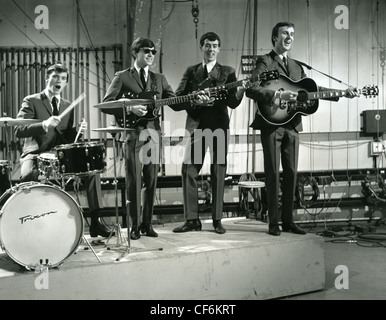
(211, 36)
(141, 43)
(57, 67)
(275, 30)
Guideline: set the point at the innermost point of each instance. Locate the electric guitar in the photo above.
(306, 103)
(215, 93)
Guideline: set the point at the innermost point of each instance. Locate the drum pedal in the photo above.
(98, 242)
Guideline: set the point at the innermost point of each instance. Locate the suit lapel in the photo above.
(135, 75)
(280, 62)
(199, 74)
(46, 102)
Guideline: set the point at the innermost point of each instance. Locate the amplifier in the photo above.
(373, 121)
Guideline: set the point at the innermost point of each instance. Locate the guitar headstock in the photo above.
(142, 95)
(130, 95)
(269, 75)
(370, 91)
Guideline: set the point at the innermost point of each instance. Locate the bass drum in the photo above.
(39, 224)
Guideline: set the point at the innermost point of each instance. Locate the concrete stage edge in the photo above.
(245, 263)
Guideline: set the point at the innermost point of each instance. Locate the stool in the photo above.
(255, 189)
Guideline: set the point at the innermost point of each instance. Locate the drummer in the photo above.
(54, 130)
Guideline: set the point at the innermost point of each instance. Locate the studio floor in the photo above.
(243, 264)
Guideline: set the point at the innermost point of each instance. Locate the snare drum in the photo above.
(81, 158)
(48, 164)
(39, 223)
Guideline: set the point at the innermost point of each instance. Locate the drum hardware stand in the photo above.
(92, 249)
(117, 227)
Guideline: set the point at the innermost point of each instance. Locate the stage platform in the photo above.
(245, 263)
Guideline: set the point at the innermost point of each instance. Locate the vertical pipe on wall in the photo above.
(12, 103)
(87, 110)
(254, 52)
(98, 87)
(2, 102)
(104, 82)
(81, 80)
(70, 77)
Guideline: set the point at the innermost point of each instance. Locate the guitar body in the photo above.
(279, 114)
(151, 114)
(132, 120)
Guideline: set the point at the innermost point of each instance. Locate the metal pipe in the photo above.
(87, 111)
(104, 82)
(81, 70)
(98, 89)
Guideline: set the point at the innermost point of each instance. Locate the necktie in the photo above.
(285, 62)
(142, 76)
(205, 72)
(55, 111)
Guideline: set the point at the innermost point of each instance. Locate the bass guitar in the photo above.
(307, 101)
(215, 93)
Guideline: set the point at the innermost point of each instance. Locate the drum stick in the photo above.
(72, 105)
(80, 129)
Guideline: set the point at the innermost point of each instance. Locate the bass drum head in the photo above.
(39, 224)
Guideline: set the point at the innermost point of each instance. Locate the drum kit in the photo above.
(40, 223)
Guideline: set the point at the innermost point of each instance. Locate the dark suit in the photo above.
(37, 106)
(128, 81)
(279, 142)
(216, 119)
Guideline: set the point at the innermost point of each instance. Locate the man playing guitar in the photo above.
(280, 141)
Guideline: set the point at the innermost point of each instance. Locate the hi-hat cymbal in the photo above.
(123, 103)
(111, 129)
(14, 122)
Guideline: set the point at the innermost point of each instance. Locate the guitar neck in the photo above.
(235, 84)
(326, 94)
(174, 100)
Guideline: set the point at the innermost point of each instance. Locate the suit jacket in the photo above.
(128, 81)
(37, 106)
(270, 62)
(213, 117)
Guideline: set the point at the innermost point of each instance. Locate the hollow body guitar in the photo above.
(307, 102)
(214, 92)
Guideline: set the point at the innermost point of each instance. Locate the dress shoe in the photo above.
(99, 229)
(218, 227)
(134, 233)
(190, 225)
(293, 228)
(274, 230)
(147, 230)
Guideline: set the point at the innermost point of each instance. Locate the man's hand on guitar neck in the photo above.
(351, 92)
(202, 98)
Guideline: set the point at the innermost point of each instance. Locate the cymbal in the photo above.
(14, 122)
(123, 103)
(111, 129)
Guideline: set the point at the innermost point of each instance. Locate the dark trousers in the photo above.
(193, 162)
(282, 144)
(142, 173)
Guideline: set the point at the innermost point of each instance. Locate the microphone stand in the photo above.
(327, 75)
